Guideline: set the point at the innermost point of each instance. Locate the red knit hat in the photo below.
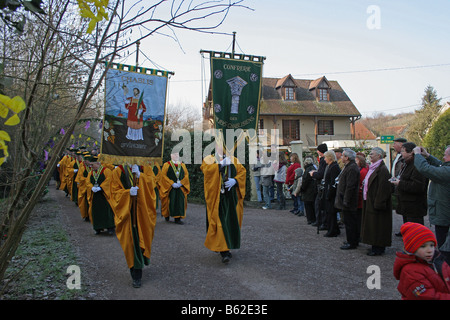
(415, 235)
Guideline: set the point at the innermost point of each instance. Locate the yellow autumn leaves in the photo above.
(9, 107)
(86, 11)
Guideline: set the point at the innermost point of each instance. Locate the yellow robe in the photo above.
(69, 175)
(165, 186)
(81, 182)
(121, 200)
(63, 163)
(215, 237)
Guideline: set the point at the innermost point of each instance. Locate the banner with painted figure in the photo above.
(133, 125)
(236, 91)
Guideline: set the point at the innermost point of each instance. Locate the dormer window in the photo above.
(320, 88)
(286, 88)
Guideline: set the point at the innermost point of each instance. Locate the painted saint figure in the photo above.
(136, 108)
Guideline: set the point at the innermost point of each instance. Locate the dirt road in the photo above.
(281, 258)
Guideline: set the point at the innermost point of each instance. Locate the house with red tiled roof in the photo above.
(363, 133)
(313, 111)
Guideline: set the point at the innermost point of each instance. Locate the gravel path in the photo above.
(281, 258)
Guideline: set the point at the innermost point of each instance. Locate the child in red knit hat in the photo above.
(421, 269)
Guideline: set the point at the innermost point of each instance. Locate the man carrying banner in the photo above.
(224, 187)
(174, 187)
(133, 202)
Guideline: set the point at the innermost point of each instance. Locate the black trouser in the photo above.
(310, 212)
(319, 210)
(413, 219)
(331, 218)
(352, 222)
(441, 234)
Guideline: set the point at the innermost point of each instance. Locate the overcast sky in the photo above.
(383, 53)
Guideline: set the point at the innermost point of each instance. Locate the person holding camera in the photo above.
(411, 188)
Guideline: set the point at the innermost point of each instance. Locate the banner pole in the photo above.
(137, 54)
(234, 41)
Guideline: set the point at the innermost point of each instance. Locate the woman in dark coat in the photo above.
(376, 224)
(308, 191)
(331, 173)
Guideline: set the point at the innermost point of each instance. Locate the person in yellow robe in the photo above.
(173, 188)
(81, 178)
(224, 187)
(70, 171)
(132, 198)
(62, 167)
(78, 156)
(98, 193)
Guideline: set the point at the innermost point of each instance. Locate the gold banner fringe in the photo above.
(121, 160)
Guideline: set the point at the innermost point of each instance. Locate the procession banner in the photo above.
(133, 124)
(236, 92)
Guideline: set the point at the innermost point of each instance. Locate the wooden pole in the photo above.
(137, 53)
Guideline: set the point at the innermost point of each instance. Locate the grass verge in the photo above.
(38, 270)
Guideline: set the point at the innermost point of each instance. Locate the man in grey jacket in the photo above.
(439, 189)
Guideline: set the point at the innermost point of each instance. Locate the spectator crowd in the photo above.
(349, 190)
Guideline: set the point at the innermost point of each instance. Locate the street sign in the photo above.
(387, 139)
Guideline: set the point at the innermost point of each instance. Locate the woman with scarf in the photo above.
(376, 226)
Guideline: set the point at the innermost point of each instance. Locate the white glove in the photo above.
(75, 170)
(230, 183)
(175, 185)
(58, 165)
(133, 191)
(226, 161)
(135, 169)
(96, 189)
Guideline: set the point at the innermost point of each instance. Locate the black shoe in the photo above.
(314, 224)
(398, 234)
(300, 213)
(323, 227)
(136, 275)
(226, 256)
(374, 253)
(136, 283)
(347, 246)
(167, 218)
(330, 235)
(178, 221)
